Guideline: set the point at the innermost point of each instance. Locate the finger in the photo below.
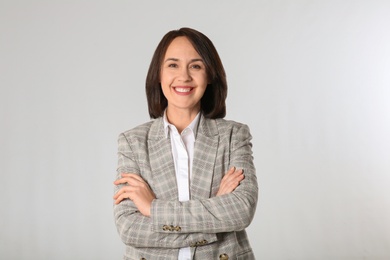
(118, 200)
(238, 180)
(233, 182)
(121, 181)
(132, 175)
(124, 189)
(228, 173)
(232, 175)
(237, 177)
(230, 181)
(124, 193)
(231, 171)
(237, 173)
(119, 193)
(131, 180)
(122, 197)
(231, 186)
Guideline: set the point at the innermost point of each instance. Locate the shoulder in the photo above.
(230, 126)
(227, 123)
(144, 131)
(224, 128)
(139, 130)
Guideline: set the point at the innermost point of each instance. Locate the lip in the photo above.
(183, 90)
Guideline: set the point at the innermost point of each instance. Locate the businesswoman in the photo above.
(186, 186)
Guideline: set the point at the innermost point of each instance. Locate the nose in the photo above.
(185, 75)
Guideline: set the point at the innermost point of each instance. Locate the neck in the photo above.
(181, 119)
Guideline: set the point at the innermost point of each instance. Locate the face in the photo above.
(183, 77)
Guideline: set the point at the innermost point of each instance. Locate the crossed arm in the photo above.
(140, 216)
(136, 189)
(138, 228)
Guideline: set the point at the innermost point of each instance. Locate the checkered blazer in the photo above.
(214, 227)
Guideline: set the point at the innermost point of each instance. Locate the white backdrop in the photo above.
(310, 78)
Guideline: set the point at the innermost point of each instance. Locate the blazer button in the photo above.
(171, 228)
(177, 228)
(165, 227)
(223, 257)
(142, 258)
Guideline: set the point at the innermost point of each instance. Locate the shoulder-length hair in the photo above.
(213, 101)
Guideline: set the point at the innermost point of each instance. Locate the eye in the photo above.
(196, 66)
(172, 65)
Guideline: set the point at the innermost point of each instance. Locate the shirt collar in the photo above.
(193, 125)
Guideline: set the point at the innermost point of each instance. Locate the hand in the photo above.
(137, 190)
(230, 181)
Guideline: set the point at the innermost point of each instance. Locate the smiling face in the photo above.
(183, 77)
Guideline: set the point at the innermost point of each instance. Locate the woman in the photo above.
(186, 186)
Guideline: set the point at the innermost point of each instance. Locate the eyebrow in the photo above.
(176, 59)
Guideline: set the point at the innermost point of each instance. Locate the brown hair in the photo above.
(213, 100)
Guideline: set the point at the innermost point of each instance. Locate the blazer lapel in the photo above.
(205, 152)
(161, 162)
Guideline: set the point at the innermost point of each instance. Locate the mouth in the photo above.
(183, 90)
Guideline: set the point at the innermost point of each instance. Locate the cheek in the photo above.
(164, 88)
(205, 79)
(205, 82)
(165, 91)
(166, 78)
(165, 85)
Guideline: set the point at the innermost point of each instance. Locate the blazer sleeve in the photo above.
(226, 213)
(134, 228)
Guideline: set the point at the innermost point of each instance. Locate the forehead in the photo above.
(181, 47)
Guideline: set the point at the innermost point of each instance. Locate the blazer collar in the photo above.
(205, 152)
(207, 127)
(157, 131)
(161, 162)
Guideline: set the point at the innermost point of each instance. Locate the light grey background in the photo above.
(310, 78)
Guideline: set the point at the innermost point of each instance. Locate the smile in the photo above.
(183, 90)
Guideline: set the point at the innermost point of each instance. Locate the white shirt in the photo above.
(183, 154)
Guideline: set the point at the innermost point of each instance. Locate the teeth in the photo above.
(183, 89)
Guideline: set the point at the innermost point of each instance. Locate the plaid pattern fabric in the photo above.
(210, 225)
